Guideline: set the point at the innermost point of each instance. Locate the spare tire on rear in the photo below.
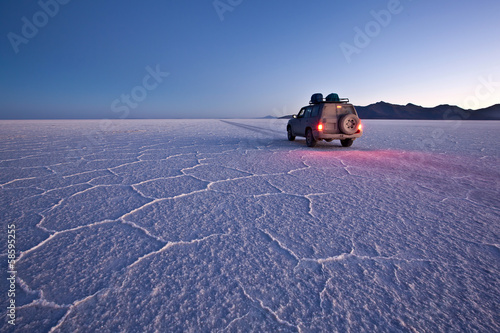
(348, 124)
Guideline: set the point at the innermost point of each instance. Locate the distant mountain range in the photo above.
(383, 110)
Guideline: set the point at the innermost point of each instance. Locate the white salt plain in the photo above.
(225, 226)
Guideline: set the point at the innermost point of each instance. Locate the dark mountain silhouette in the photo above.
(383, 110)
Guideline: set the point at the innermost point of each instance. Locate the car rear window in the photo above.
(329, 111)
(332, 110)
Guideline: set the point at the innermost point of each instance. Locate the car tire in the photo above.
(346, 142)
(310, 140)
(290, 135)
(348, 124)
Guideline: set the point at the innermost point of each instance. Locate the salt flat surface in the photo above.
(225, 226)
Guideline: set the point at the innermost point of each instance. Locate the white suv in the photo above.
(326, 119)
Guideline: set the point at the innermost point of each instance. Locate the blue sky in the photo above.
(241, 58)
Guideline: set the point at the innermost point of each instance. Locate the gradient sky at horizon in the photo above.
(263, 58)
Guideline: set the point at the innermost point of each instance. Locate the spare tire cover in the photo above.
(348, 124)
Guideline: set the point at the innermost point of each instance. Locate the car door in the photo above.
(296, 123)
(306, 120)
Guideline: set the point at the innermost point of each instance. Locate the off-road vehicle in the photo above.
(328, 119)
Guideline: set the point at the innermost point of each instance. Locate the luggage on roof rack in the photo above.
(334, 98)
(316, 98)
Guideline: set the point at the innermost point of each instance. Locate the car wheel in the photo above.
(310, 141)
(348, 124)
(291, 137)
(346, 142)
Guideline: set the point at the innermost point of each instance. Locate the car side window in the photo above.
(301, 113)
(308, 112)
(315, 111)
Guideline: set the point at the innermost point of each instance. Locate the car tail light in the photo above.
(320, 127)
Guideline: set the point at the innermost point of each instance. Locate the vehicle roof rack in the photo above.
(331, 98)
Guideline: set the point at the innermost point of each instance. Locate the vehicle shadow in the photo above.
(257, 129)
(278, 139)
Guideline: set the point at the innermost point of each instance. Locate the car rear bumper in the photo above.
(318, 135)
